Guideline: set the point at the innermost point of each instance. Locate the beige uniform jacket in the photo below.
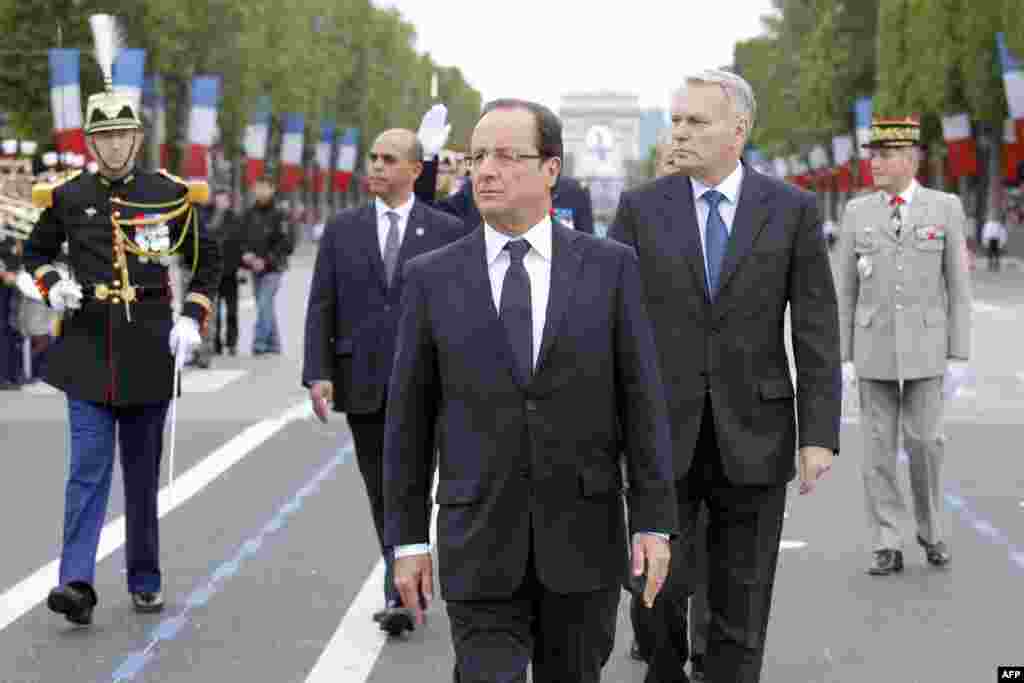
(904, 303)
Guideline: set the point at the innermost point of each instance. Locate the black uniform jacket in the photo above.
(101, 355)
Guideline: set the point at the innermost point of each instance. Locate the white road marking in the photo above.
(32, 590)
(354, 648)
(792, 545)
(984, 307)
(208, 381)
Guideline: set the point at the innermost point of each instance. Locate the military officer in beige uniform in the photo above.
(904, 312)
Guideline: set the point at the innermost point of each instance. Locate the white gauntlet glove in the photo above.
(66, 295)
(957, 374)
(184, 338)
(434, 132)
(849, 374)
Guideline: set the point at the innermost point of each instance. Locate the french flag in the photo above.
(862, 124)
(963, 152)
(781, 170)
(257, 133)
(323, 156)
(820, 176)
(842, 153)
(155, 108)
(346, 163)
(291, 152)
(129, 74)
(66, 101)
(1013, 81)
(1013, 150)
(202, 125)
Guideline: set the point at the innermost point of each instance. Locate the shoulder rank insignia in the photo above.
(198, 191)
(42, 193)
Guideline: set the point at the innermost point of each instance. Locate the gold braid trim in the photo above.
(43, 270)
(182, 206)
(197, 298)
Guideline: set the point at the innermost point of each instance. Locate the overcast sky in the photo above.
(542, 49)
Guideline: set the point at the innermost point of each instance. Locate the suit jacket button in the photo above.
(524, 472)
(531, 406)
(387, 308)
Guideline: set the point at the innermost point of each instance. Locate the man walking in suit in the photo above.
(905, 315)
(352, 318)
(526, 345)
(723, 250)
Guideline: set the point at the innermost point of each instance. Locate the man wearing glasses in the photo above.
(526, 343)
(905, 318)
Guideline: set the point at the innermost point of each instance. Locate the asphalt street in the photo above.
(266, 561)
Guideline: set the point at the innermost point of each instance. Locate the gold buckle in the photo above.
(102, 292)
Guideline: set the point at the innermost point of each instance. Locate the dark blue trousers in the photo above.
(94, 428)
(10, 340)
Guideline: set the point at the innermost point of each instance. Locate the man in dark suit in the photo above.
(723, 250)
(352, 318)
(570, 201)
(527, 346)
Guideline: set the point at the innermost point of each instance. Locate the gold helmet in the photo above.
(109, 110)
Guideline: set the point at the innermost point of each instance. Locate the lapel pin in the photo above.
(419, 232)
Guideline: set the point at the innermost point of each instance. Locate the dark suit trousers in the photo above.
(227, 293)
(743, 533)
(568, 637)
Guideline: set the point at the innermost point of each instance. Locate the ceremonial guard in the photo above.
(905, 317)
(115, 359)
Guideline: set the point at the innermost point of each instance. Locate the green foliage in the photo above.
(345, 60)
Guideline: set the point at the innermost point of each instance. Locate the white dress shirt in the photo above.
(730, 187)
(538, 268)
(907, 196)
(384, 225)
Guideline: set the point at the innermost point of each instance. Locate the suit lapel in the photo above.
(683, 230)
(371, 244)
(750, 219)
(415, 229)
(565, 265)
(481, 304)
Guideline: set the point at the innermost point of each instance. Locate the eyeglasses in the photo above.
(502, 155)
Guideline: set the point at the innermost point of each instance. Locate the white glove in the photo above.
(957, 374)
(434, 132)
(27, 286)
(849, 373)
(66, 295)
(184, 338)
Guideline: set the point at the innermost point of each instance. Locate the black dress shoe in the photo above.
(395, 620)
(886, 562)
(75, 601)
(937, 553)
(636, 653)
(696, 667)
(145, 602)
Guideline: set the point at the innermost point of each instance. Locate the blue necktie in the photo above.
(515, 309)
(715, 240)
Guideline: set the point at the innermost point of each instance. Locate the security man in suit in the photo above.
(115, 359)
(352, 316)
(905, 316)
(570, 201)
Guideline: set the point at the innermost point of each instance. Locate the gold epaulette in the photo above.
(42, 193)
(198, 190)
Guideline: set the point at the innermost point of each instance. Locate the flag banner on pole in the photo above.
(257, 133)
(202, 125)
(842, 154)
(963, 152)
(1013, 79)
(346, 162)
(1013, 151)
(862, 109)
(291, 152)
(66, 101)
(322, 162)
(129, 74)
(821, 175)
(154, 109)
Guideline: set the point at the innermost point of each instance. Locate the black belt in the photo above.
(105, 293)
